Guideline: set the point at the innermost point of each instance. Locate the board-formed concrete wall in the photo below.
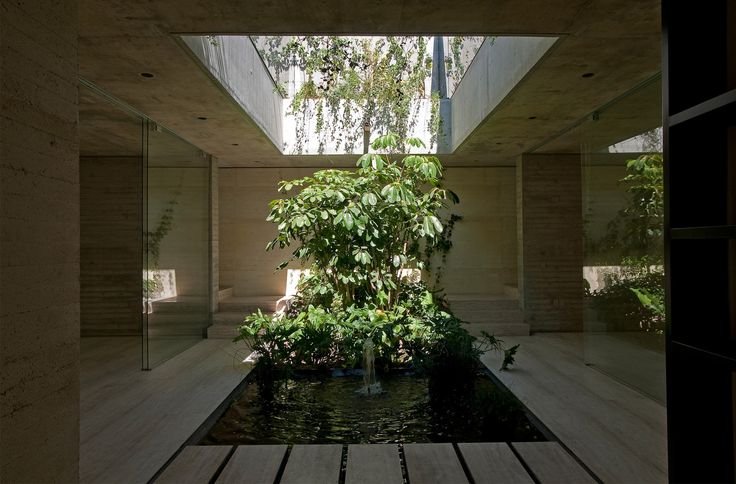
(550, 241)
(482, 261)
(39, 242)
(111, 245)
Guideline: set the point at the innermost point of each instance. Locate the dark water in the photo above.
(317, 409)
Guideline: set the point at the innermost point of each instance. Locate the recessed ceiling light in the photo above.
(202, 118)
(147, 75)
(589, 74)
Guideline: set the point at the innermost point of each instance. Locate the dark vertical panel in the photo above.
(700, 181)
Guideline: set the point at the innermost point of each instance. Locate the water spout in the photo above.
(370, 383)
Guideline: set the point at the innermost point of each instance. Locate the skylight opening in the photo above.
(341, 91)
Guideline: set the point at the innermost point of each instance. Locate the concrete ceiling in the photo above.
(617, 41)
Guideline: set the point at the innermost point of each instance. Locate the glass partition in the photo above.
(145, 222)
(177, 248)
(623, 215)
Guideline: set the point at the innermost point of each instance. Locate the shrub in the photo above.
(356, 231)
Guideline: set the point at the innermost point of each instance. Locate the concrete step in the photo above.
(231, 317)
(225, 324)
(247, 305)
(511, 290)
(161, 324)
(180, 305)
(488, 309)
(224, 292)
(222, 331)
(498, 329)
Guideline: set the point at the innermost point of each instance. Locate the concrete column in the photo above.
(550, 241)
(39, 242)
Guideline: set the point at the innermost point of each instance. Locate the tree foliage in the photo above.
(359, 229)
(351, 82)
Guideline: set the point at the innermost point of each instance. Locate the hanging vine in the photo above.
(354, 83)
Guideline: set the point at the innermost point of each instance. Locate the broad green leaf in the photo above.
(415, 142)
(436, 223)
(348, 220)
(428, 227)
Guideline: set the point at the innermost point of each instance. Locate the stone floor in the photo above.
(133, 422)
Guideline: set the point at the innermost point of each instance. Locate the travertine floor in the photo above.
(618, 432)
(133, 421)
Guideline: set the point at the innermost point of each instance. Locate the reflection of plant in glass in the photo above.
(636, 295)
(619, 304)
(153, 241)
(637, 229)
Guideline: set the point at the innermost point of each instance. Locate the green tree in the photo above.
(359, 229)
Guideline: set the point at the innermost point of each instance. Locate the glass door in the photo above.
(623, 213)
(176, 255)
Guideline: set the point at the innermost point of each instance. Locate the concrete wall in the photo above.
(39, 242)
(244, 232)
(483, 257)
(550, 241)
(111, 244)
(496, 70)
(482, 261)
(235, 64)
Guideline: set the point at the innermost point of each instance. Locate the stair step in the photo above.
(180, 305)
(498, 329)
(491, 318)
(471, 306)
(511, 290)
(222, 331)
(228, 317)
(247, 305)
(224, 292)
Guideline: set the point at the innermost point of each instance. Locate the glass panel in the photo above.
(177, 233)
(623, 214)
(111, 206)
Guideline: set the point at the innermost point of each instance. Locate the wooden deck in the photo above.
(480, 463)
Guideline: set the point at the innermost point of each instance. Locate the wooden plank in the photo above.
(253, 464)
(195, 464)
(313, 464)
(551, 464)
(374, 464)
(433, 464)
(493, 463)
